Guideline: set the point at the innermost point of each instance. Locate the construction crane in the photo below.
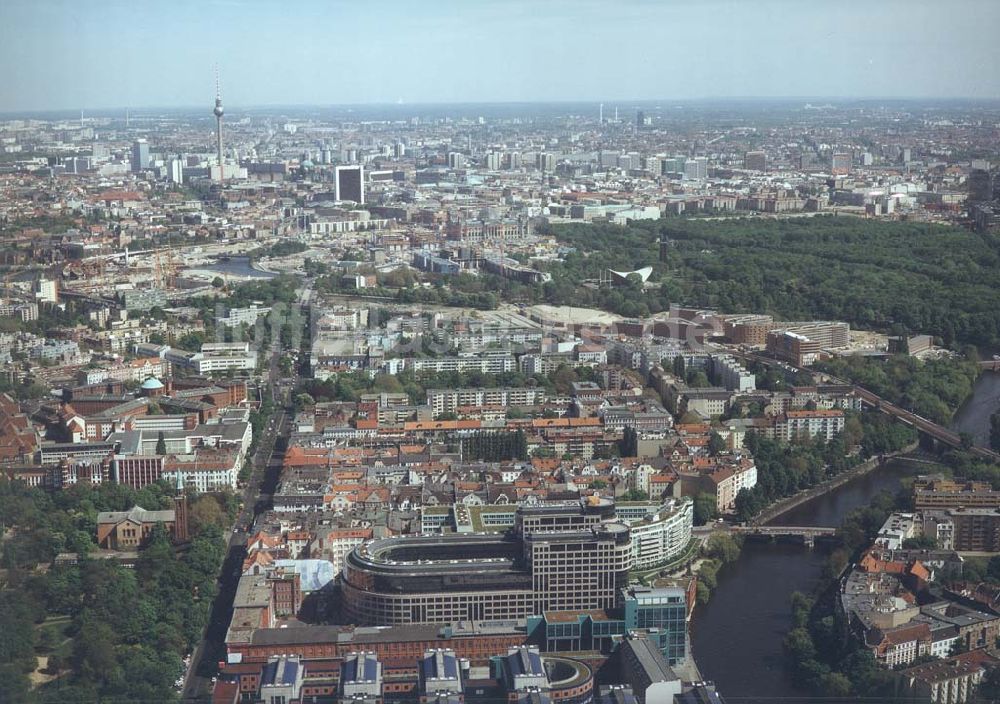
(171, 266)
(157, 270)
(164, 268)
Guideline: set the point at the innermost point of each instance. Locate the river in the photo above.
(736, 638)
(974, 415)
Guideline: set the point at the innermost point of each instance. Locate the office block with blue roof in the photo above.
(521, 669)
(361, 678)
(440, 677)
(530, 678)
(281, 680)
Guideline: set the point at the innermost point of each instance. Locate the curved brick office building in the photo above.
(444, 578)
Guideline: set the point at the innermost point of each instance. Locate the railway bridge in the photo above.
(928, 427)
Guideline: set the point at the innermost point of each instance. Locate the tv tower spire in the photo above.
(218, 124)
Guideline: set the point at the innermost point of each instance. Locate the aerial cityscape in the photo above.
(334, 370)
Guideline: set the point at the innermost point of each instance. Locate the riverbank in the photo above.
(737, 638)
(795, 500)
(235, 268)
(973, 417)
(257, 265)
(700, 561)
(739, 644)
(675, 566)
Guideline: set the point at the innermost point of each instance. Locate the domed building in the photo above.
(151, 388)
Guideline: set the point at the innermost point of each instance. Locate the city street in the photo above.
(256, 498)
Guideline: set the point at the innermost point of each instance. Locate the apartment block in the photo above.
(726, 371)
(450, 400)
(486, 363)
(801, 424)
(937, 492)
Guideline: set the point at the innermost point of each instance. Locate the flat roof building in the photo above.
(523, 670)
(616, 694)
(660, 612)
(440, 676)
(939, 493)
(441, 578)
(361, 677)
(281, 681)
(646, 670)
(349, 183)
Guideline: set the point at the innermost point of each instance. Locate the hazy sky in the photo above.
(112, 53)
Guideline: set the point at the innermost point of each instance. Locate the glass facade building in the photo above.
(660, 612)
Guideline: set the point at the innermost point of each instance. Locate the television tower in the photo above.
(218, 125)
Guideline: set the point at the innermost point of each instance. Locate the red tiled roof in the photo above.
(905, 634)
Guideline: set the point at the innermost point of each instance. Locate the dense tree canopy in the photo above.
(915, 276)
(110, 633)
(44, 524)
(933, 389)
(282, 248)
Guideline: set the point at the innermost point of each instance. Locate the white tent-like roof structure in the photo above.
(643, 273)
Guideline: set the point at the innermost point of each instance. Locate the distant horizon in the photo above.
(609, 103)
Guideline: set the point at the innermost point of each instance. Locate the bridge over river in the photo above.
(808, 534)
